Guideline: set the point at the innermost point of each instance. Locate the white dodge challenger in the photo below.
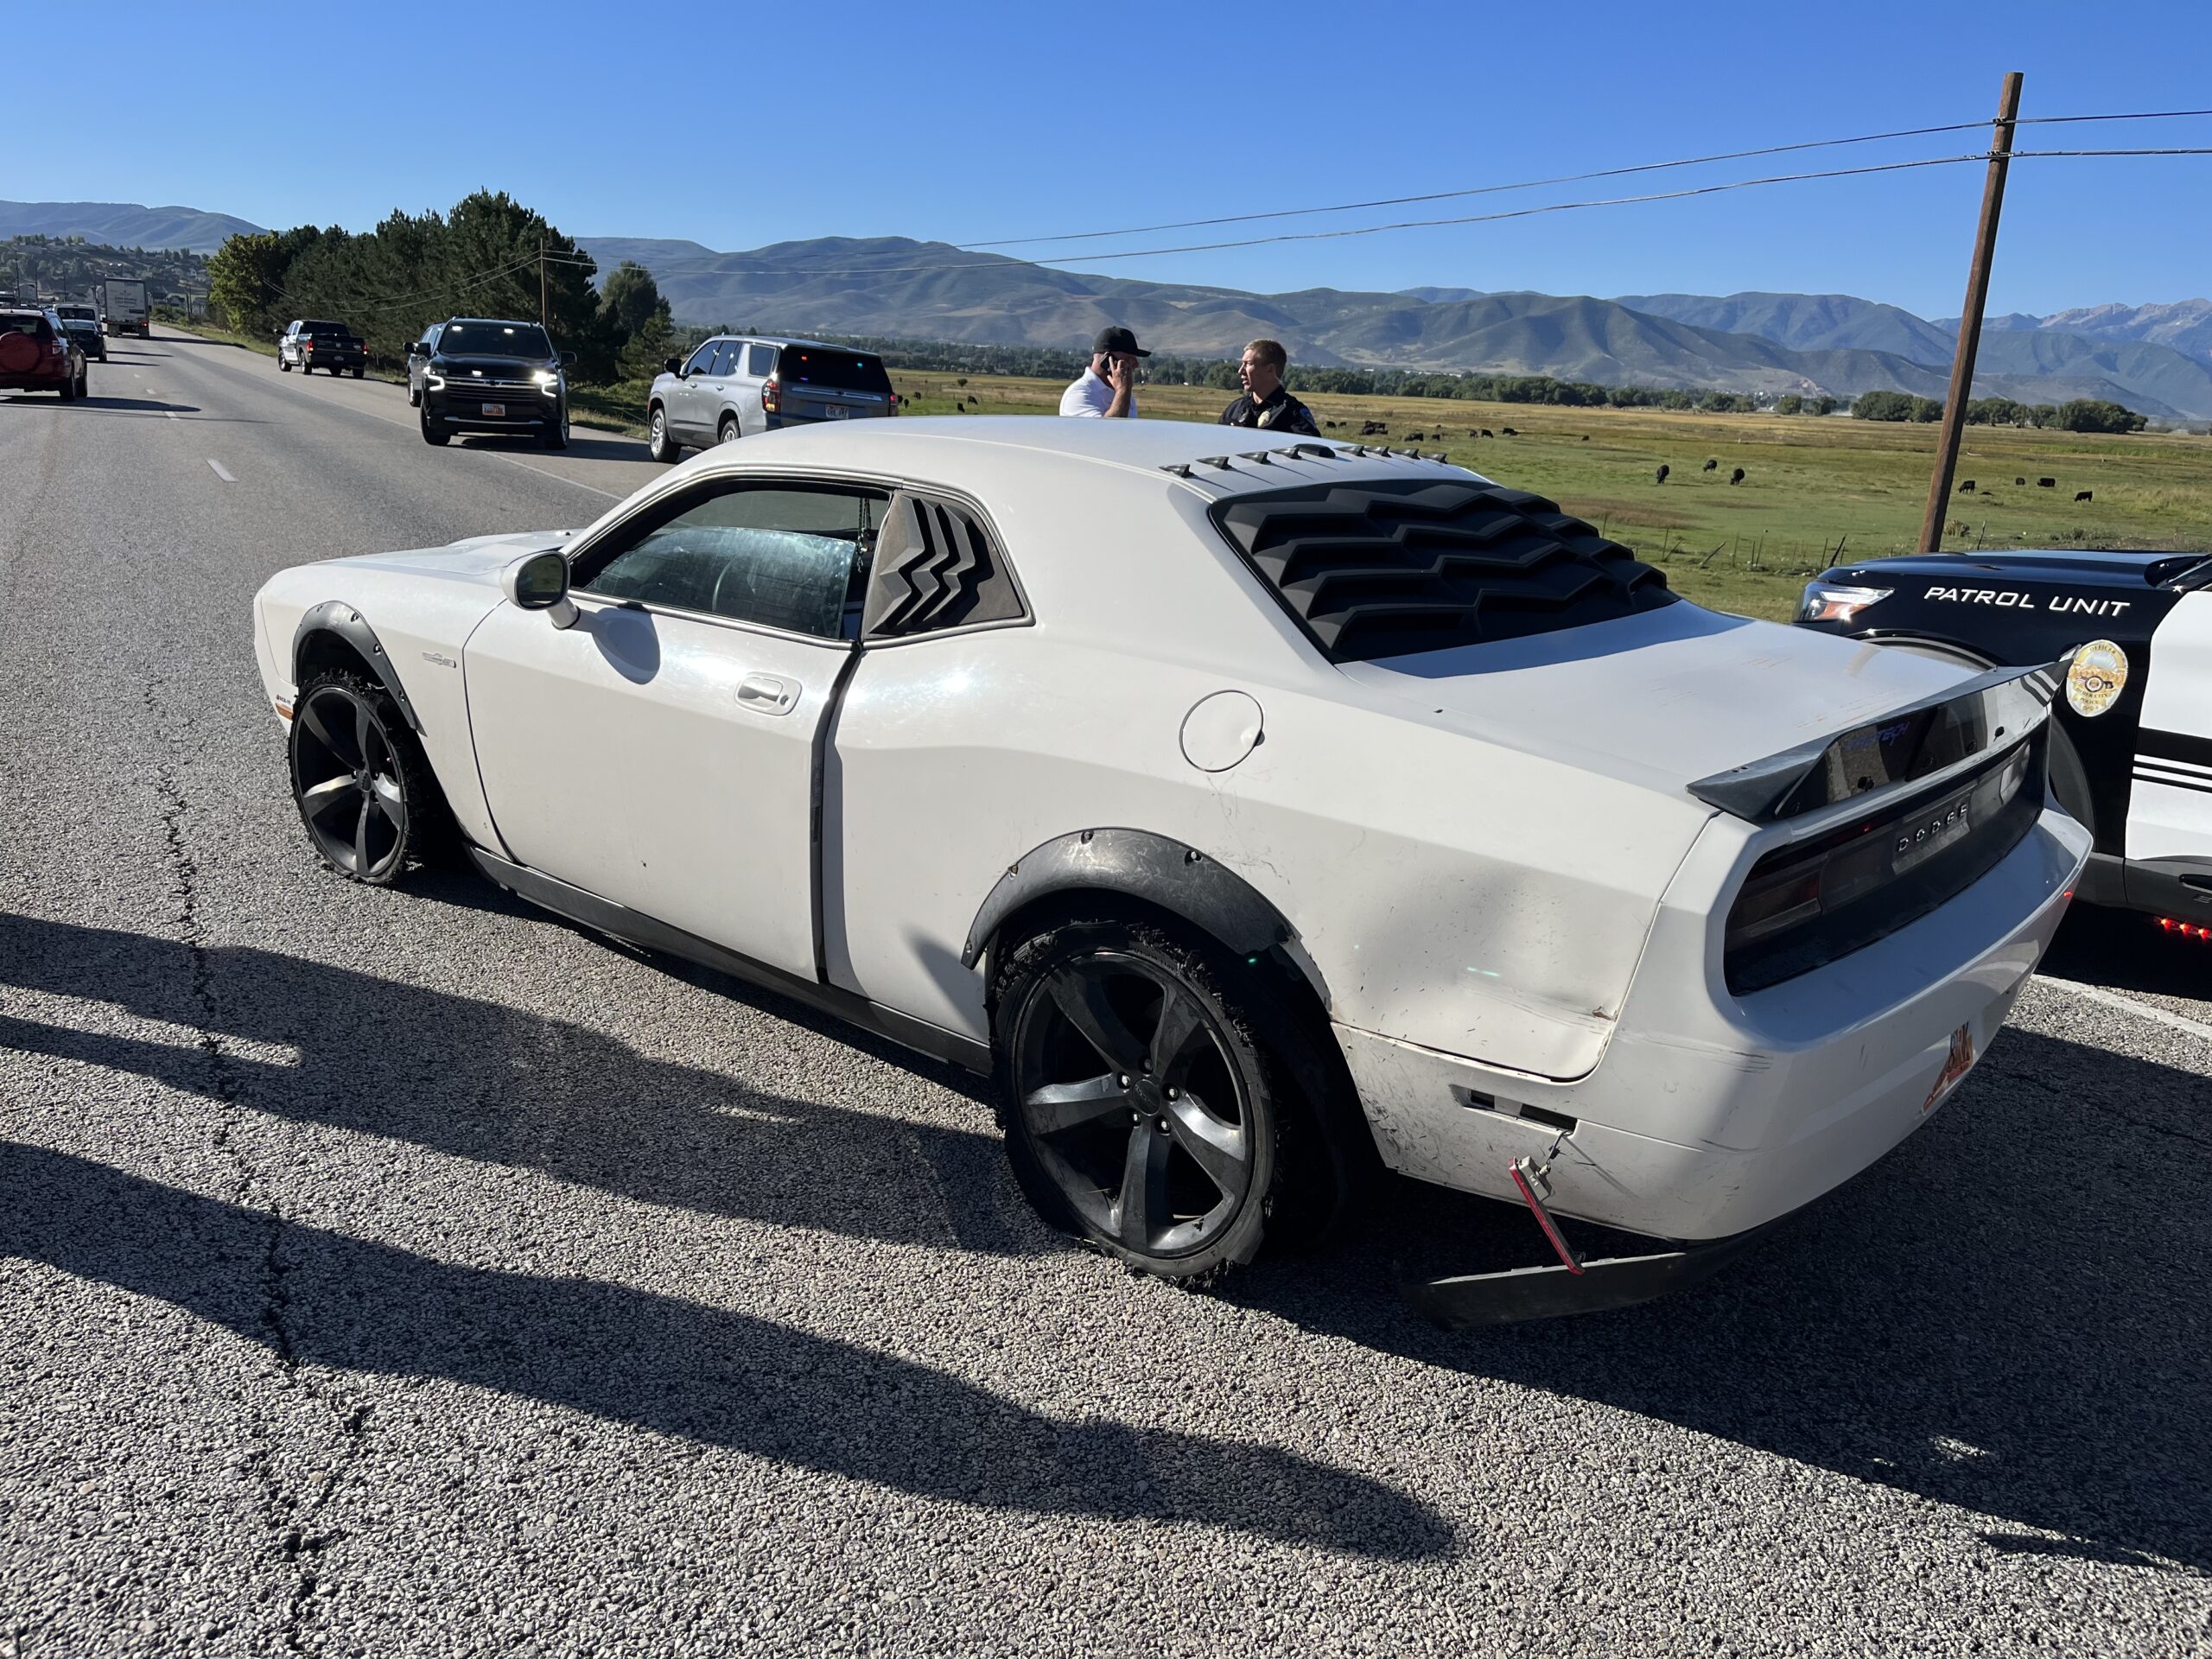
(1245, 815)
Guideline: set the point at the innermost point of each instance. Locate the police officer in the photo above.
(1265, 402)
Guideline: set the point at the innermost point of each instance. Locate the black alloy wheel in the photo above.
(1142, 1111)
(359, 778)
(557, 437)
(434, 430)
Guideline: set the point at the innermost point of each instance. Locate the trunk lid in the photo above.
(1664, 698)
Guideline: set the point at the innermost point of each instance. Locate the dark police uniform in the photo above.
(1279, 413)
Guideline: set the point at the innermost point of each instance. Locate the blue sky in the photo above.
(738, 125)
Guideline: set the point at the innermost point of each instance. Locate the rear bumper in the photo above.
(776, 422)
(44, 381)
(1710, 1115)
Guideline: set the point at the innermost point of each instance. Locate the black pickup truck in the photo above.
(310, 344)
(2128, 635)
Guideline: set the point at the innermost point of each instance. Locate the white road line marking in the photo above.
(219, 473)
(2129, 1005)
(610, 494)
(170, 414)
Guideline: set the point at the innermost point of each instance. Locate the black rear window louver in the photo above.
(1384, 570)
(934, 569)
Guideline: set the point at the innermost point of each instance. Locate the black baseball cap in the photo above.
(1116, 340)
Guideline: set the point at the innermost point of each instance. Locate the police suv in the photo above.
(2132, 634)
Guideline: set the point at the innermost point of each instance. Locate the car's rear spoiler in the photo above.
(1919, 743)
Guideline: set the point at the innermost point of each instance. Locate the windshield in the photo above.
(810, 365)
(494, 340)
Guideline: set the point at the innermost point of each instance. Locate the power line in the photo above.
(2206, 150)
(1369, 230)
(1480, 190)
(1568, 178)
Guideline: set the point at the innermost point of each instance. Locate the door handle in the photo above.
(765, 694)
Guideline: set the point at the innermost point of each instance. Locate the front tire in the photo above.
(364, 790)
(659, 439)
(434, 430)
(1144, 1092)
(557, 437)
(284, 365)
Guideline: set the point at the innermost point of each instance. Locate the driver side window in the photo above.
(700, 359)
(788, 556)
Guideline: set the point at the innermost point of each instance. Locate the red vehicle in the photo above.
(36, 354)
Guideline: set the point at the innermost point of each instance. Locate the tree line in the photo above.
(487, 258)
(2078, 414)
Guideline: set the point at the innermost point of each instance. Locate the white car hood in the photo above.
(1663, 698)
(479, 558)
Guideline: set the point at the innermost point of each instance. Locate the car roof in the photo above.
(919, 445)
(781, 341)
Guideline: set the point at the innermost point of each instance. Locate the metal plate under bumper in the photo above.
(1468, 1300)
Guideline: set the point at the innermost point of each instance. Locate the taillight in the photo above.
(772, 396)
(2187, 929)
(1809, 903)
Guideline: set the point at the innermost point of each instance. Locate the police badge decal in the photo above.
(2096, 677)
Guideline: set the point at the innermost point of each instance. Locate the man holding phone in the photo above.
(1107, 389)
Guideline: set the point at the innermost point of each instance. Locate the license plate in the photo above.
(834, 412)
(495, 411)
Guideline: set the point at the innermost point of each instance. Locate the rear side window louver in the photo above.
(935, 568)
(1383, 569)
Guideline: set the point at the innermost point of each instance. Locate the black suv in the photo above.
(480, 374)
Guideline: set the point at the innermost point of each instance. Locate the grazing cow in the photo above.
(1586, 437)
(1332, 425)
(2084, 495)
(2046, 483)
(1709, 465)
(1736, 477)
(1416, 437)
(1488, 433)
(1967, 488)
(2020, 481)
(1509, 431)
(1660, 477)
(1471, 431)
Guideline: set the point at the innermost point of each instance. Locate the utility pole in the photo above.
(545, 311)
(1985, 244)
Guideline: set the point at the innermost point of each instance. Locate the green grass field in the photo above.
(1811, 485)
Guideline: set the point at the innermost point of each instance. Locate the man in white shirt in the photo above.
(1109, 387)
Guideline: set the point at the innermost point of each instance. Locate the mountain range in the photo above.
(2155, 358)
(1833, 343)
(122, 224)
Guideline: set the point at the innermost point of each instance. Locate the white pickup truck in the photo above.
(124, 309)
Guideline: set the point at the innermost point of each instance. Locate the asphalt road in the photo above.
(389, 1273)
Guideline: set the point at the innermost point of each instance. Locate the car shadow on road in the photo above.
(482, 1081)
(608, 448)
(2011, 1313)
(709, 1375)
(2125, 951)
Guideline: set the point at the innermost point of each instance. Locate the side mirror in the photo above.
(568, 359)
(673, 365)
(539, 581)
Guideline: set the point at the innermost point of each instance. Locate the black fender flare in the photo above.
(335, 616)
(1154, 868)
